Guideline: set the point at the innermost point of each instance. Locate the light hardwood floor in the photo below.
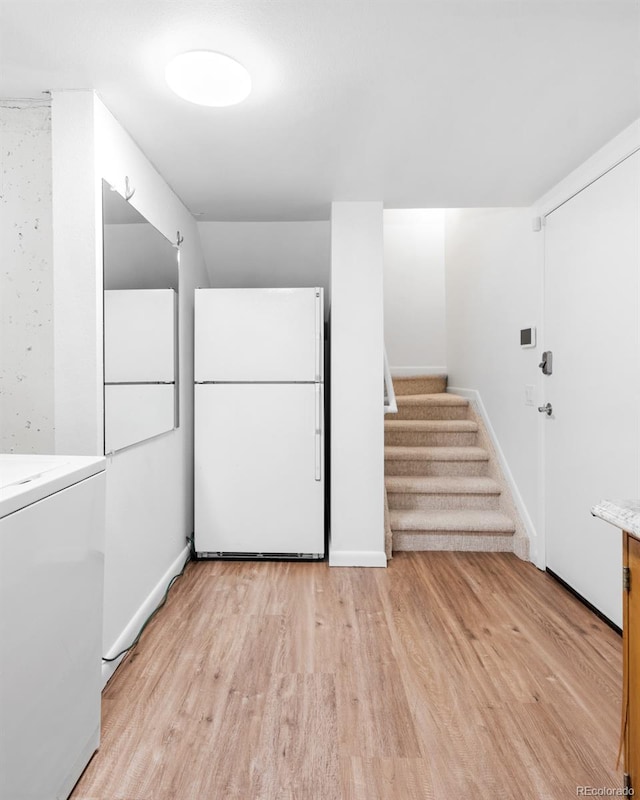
(446, 675)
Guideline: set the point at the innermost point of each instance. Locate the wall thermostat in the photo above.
(527, 337)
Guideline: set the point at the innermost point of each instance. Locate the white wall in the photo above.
(414, 296)
(26, 282)
(259, 254)
(77, 276)
(357, 435)
(150, 485)
(493, 289)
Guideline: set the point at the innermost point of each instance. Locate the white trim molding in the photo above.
(616, 150)
(357, 558)
(137, 621)
(534, 551)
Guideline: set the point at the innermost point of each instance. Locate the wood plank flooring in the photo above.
(445, 675)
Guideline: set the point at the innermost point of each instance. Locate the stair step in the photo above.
(453, 542)
(454, 425)
(430, 406)
(432, 432)
(425, 493)
(435, 461)
(441, 485)
(457, 521)
(432, 399)
(400, 453)
(420, 384)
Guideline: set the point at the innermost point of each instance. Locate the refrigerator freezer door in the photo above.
(256, 451)
(259, 335)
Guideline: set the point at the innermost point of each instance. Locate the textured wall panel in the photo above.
(26, 280)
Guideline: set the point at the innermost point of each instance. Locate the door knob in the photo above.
(546, 409)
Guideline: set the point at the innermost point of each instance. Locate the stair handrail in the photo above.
(390, 405)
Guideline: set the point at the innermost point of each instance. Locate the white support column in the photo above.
(357, 420)
(77, 276)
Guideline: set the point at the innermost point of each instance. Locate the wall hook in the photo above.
(179, 239)
(128, 191)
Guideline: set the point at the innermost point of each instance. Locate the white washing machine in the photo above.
(51, 584)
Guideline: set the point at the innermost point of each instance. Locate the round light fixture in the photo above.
(208, 78)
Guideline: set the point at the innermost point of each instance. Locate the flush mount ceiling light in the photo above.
(208, 78)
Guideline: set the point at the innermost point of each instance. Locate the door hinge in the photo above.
(626, 579)
(628, 790)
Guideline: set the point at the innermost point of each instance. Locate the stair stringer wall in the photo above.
(510, 500)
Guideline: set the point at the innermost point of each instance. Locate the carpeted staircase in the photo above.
(444, 487)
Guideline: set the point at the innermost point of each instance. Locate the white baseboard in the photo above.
(410, 372)
(357, 558)
(136, 622)
(474, 396)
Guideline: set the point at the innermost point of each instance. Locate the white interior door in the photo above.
(592, 261)
(258, 469)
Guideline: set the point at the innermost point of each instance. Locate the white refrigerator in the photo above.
(259, 423)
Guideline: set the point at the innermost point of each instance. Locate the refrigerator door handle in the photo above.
(318, 434)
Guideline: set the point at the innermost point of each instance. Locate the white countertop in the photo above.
(624, 514)
(25, 479)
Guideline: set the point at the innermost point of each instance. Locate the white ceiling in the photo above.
(418, 104)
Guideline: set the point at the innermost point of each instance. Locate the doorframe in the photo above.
(613, 153)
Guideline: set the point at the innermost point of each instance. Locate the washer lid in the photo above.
(25, 479)
(21, 469)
